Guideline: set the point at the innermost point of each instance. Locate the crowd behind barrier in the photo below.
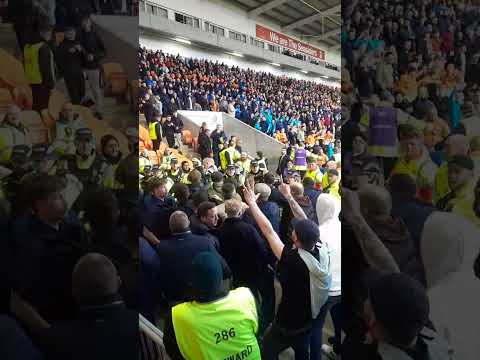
(410, 105)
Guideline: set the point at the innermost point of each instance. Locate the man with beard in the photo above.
(174, 172)
(111, 152)
(185, 172)
(70, 60)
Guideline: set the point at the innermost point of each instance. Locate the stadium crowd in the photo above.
(68, 214)
(410, 142)
(263, 222)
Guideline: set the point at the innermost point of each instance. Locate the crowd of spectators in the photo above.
(410, 141)
(270, 103)
(262, 220)
(68, 214)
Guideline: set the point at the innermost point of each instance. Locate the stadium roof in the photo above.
(314, 21)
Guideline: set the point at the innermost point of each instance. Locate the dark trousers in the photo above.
(278, 339)
(171, 141)
(317, 327)
(76, 87)
(41, 96)
(156, 143)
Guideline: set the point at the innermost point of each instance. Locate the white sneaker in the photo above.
(327, 350)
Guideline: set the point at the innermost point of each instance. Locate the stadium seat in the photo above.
(55, 104)
(12, 74)
(39, 133)
(22, 97)
(144, 142)
(118, 84)
(153, 157)
(187, 137)
(5, 100)
(114, 79)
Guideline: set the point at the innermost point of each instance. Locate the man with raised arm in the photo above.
(304, 276)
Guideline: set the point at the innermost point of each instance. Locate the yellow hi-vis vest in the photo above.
(220, 330)
(441, 182)
(152, 131)
(233, 156)
(32, 65)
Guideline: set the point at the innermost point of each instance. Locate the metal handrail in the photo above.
(151, 341)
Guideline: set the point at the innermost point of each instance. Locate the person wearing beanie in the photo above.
(461, 198)
(217, 324)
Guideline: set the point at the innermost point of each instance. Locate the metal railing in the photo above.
(151, 341)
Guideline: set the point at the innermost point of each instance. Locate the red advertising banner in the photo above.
(287, 42)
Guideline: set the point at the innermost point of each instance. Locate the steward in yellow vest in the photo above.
(460, 199)
(218, 324)
(228, 157)
(333, 186)
(40, 68)
(314, 173)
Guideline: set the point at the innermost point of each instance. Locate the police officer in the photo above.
(232, 177)
(65, 127)
(166, 159)
(229, 156)
(143, 163)
(86, 165)
(112, 155)
(72, 185)
(20, 165)
(12, 132)
(40, 67)
(256, 172)
(174, 172)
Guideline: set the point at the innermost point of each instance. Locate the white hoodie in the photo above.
(449, 247)
(328, 209)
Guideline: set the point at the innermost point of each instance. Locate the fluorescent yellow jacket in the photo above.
(33, 73)
(223, 329)
(441, 181)
(333, 189)
(228, 157)
(152, 131)
(462, 204)
(422, 171)
(315, 175)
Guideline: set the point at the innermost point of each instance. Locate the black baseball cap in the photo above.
(84, 133)
(462, 161)
(307, 232)
(332, 172)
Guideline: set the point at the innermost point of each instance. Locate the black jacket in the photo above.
(204, 145)
(176, 255)
(199, 228)
(244, 250)
(103, 332)
(93, 44)
(67, 62)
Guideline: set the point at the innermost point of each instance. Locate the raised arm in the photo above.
(263, 223)
(296, 209)
(375, 252)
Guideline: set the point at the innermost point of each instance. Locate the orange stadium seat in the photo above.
(55, 105)
(153, 157)
(118, 84)
(12, 74)
(144, 142)
(187, 137)
(39, 133)
(22, 97)
(5, 100)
